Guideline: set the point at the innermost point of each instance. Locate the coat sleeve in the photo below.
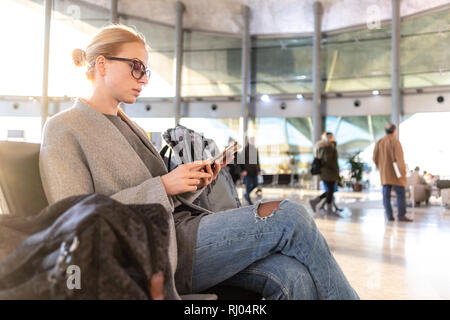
(65, 172)
(399, 157)
(150, 191)
(376, 154)
(337, 159)
(192, 195)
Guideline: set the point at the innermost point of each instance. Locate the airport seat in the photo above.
(418, 194)
(414, 194)
(284, 179)
(21, 185)
(443, 184)
(296, 179)
(445, 196)
(267, 179)
(20, 181)
(444, 190)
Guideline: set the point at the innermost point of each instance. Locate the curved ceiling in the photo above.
(270, 16)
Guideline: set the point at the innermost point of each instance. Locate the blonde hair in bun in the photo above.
(106, 42)
(79, 57)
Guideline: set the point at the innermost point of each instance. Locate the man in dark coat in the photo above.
(250, 169)
(233, 167)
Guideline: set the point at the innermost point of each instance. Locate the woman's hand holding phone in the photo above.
(198, 174)
(187, 177)
(213, 170)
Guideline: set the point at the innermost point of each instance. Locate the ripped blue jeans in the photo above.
(282, 256)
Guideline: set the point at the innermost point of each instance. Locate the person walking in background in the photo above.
(325, 187)
(250, 169)
(233, 168)
(326, 151)
(388, 157)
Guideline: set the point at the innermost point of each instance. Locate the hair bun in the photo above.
(79, 57)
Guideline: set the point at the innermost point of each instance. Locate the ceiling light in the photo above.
(375, 92)
(265, 98)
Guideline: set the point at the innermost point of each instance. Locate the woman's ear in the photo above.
(100, 65)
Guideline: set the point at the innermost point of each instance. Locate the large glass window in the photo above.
(357, 60)
(72, 26)
(281, 65)
(26, 129)
(221, 130)
(425, 143)
(211, 65)
(21, 55)
(425, 50)
(284, 144)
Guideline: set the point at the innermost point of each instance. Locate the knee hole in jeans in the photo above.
(266, 210)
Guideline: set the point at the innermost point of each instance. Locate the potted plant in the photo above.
(356, 169)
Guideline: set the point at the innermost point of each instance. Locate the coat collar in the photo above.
(85, 108)
(99, 118)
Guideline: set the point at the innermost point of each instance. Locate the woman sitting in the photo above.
(272, 248)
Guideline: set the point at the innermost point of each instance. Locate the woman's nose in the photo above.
(143, 80)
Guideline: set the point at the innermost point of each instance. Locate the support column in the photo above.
(44, 100)
(180, 8)
(245, 62)
(317, 116)
(395, 65)
(317, 85)
(114, 11)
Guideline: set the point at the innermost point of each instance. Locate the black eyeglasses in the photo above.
(138, 69)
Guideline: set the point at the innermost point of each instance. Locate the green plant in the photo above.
(356, 167)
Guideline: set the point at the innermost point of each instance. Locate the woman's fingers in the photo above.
(157, 286)
(199, 175)
(217, 168)
(192, 182)
(196, 165)
(209, 170)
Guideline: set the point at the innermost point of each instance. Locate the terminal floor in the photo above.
(381, 259)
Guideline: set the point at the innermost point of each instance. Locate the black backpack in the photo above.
(316, 166)
(185, 145)
(87, 247)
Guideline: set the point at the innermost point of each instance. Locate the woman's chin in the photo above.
(129, 100)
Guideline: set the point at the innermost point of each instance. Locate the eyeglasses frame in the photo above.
(146, 72)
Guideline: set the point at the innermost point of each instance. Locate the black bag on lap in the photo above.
(116, 248)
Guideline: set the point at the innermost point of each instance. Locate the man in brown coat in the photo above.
(388, 157)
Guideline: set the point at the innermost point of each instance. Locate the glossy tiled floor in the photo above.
(385, 260)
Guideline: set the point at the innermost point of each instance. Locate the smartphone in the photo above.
(226, 154)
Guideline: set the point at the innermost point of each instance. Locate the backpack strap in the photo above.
(162, 154)
(163, 150)
(192, 152)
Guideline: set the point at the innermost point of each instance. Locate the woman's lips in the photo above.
(137, 91)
